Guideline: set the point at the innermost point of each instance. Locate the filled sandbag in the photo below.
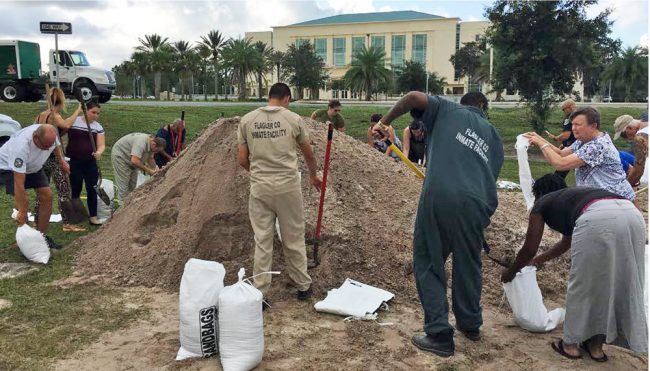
(201, 285)
(527, 304)
(241, 326)
(32, 244)
(104, 212)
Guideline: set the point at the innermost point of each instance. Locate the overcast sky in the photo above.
(109, 30)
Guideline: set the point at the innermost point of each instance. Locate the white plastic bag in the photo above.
(354, 299)
(32, 244)
(241, 326)
(525, 177)
(199, 308)
(527, 304)
(104, 212)
(142, 179)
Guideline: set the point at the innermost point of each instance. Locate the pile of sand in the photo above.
(198, 208)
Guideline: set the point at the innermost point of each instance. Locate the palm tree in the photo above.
(243, 58)
(629, 71)
(204, 53)
(215, 42)
(277, 60)
(436, 83)
(158, 51)
(368, 71)
(182, 60)
(265, 65)
(141, 67)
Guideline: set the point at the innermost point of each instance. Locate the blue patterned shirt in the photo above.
(603, 166)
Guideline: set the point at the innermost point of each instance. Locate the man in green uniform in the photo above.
(268, 138)
(130, 154)
(331, 114)
(464, 157)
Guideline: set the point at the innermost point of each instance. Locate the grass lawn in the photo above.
(46, 322)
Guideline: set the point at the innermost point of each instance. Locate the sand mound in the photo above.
(198, 207)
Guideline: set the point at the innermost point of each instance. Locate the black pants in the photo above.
(85, 171)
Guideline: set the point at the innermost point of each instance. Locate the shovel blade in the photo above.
(103, 195)
(315, 259)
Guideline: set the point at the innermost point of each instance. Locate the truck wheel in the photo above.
(12, 92)
(88, 90)
(104, 97)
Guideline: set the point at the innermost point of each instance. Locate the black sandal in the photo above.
(584, 347)
(559, 348)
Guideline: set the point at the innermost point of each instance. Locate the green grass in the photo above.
(46, 322)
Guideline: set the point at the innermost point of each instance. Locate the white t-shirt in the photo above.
(644, 177)
(21, 155)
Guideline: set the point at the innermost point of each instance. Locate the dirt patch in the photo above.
(13, 270)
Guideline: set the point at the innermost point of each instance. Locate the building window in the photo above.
(420, 49)
(339, 51)
(320, 46)
(397, 50)
(357, 45)
(456, 73)
(301, 41)
(378, 42)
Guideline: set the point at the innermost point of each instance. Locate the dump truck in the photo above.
(21, 78)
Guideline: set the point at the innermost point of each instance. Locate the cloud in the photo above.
(347, 6)
(643, 40)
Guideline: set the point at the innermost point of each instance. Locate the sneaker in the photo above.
(305, 295)
(441, 344)
(51, 244)
(473, 335)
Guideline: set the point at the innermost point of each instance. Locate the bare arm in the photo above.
(59, 122)
(137, 162)
(313, 115)
(101, 146)
(58, 153)
(560, 159)
(371, 138)
(310, 159)
(558, 249)
(528, 251)
(412, 100)
(242, 157)
(640, 156)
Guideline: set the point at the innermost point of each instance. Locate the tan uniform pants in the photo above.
(126, 177)
(263, 208)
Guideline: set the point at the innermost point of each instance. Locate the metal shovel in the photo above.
(316, 241)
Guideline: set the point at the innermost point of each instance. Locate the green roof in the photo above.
(403, 15)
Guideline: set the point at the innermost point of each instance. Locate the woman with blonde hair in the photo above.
(56, 166)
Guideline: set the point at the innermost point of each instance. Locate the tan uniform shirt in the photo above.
(134, 144)
(271, 134)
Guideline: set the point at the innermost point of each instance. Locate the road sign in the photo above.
(56, 27)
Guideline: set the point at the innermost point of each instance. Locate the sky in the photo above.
(108, 31)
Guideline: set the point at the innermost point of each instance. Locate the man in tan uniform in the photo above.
(268, 138)
(130, 154)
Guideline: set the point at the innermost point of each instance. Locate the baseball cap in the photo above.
(621, 123)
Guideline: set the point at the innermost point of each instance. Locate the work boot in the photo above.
(51, 244)
(441, 344)
(305, 295)
(473, 335)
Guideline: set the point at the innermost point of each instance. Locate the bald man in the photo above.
(21, 168)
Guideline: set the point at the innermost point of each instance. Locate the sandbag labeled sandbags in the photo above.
(241, 326)
(32, 244)
(527, 304)
(104, 212)
(201, 285)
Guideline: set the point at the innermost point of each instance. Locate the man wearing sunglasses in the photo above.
(21, 168)
(331, 114)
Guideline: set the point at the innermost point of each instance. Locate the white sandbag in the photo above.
(32, 244)
(354, 299)
(105, 212)
(527, 304)
(201, 284)
(142, 178)
(241, 326)
(525, 177)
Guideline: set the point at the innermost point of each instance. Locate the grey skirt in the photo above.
(605, 292)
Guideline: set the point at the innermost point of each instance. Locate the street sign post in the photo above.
(56, 28)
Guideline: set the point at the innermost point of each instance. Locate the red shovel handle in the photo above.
(326, 166)
(180, 135)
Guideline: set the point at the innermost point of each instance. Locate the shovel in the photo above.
(316, 241)
(98, 187)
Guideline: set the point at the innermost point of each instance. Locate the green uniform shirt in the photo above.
(271, 134)
(464, 157)
(337, 120)
(134, 144)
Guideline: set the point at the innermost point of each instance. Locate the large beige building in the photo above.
(404, 35)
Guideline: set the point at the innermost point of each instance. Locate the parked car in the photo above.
(151, 97)
(607, 99)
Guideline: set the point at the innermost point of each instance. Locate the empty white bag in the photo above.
(527, 304)
(525, 177)
(201, 284)
(241, 326)
(354, 299)
(32, 244)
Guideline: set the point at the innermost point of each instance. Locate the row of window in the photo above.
(397, 50)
